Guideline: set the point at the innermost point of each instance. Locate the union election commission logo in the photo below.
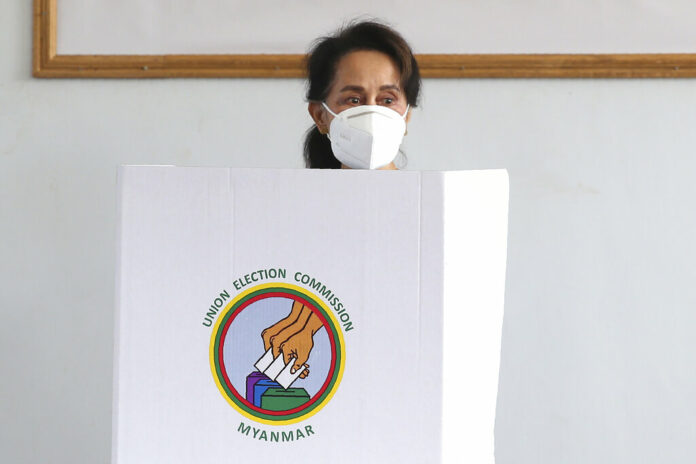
(277, 353)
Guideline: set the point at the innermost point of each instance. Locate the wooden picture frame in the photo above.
(47, 63)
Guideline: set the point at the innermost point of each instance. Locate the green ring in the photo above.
(218, 370)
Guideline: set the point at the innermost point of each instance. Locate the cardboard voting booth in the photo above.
(308, 316)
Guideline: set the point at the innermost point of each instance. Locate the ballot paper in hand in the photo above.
(265, 361)
(277, 370)
(286, 377)
(274, 369)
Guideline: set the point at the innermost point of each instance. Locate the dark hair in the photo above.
(321, 70)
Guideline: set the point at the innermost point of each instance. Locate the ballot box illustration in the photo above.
(280, 399)
(308, 316)
(252, 380)
(260, 388)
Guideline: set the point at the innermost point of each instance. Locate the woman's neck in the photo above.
(389, 167)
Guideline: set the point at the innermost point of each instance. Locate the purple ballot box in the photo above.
(250, 382)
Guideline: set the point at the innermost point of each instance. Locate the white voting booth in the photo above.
(387, 285)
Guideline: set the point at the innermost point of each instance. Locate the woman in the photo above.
(362, 84)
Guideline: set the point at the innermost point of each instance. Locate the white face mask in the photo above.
(367, 136)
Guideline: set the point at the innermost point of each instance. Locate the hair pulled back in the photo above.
(322, 62)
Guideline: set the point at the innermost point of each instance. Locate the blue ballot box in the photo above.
(260, 388)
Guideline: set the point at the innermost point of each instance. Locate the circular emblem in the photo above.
(277, 353)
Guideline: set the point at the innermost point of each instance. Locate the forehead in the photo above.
(366, 68)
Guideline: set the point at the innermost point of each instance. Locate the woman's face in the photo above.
(363, 77)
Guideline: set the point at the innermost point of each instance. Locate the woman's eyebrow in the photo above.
(355, 88)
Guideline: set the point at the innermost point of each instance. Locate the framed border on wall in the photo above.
(47, 63)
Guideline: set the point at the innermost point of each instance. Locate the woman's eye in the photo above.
(388, 101)
(354, 100)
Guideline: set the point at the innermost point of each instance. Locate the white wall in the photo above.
(436, 26)
(598, 350)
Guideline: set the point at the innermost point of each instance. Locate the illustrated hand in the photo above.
(289, 331)
(272, 331)
(298, 346)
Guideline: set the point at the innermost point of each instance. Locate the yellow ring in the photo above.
(335, 323)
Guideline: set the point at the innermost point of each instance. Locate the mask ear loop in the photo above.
(329, 109)
(328, 134)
